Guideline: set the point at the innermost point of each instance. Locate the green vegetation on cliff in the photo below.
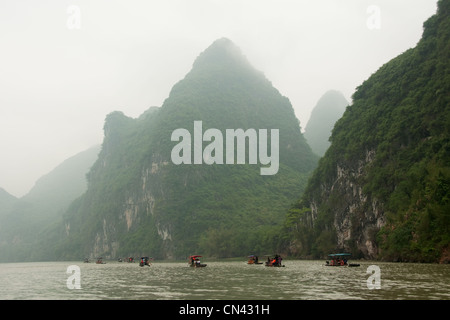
(392, 146)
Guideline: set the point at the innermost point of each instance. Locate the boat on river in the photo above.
(194, 261)
(274, 262)
(100, 261)
(253, 260)
(145, 261)
(340, 260)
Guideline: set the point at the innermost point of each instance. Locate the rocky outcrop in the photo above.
(356, 215)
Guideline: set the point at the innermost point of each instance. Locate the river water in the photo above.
(298, 280)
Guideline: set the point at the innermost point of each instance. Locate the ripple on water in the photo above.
(223, 280)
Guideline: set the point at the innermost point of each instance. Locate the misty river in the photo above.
(228, 280)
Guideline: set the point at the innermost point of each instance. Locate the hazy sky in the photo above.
(65, 64)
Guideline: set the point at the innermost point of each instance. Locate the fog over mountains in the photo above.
(327, 111)
(139, 201)
(221, 167)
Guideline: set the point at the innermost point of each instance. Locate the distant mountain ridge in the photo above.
(47, 189)
(25, 220)
(7, 200)
(327, 111)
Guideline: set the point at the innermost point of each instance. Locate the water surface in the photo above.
(298, 280)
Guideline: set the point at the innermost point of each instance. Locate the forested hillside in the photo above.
(382, 188)
(140, 202)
